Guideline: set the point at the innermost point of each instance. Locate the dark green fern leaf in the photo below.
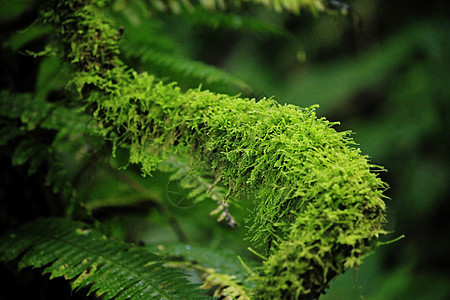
(8, 132)
(82, 254)
(221, 269)
(223, 261)
(168, 64)
(146, 41)
(20, 39)
(294, 6)
(33, 125)
(234, 22)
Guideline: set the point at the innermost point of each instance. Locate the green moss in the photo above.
(318, 202)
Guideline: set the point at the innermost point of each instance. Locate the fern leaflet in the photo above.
(159, 53)
(165, 63)
(294, 6)
(82, 254)
(221, 268)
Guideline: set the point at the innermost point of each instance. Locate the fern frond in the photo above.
(233, 21)
(8, 132)
(220, 268)
(141, 26)
(28, 147)
(144, 40)
(142, 13)
(294, 6)
(169, 64)
(226, 287)
(224, 261)
(83, 255)
(33, 124)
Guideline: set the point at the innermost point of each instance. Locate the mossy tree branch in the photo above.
(318, 201)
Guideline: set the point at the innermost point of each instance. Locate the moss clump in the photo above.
(318, 202)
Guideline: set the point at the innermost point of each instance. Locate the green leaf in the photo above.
(234, 22)
(221, 269)
(223, 261)
(8, 133)
(111, 269)
(294, 6)
(25, 151)
(183, 68)
(22, 38)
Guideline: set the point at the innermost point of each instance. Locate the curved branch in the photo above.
(317, 200)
